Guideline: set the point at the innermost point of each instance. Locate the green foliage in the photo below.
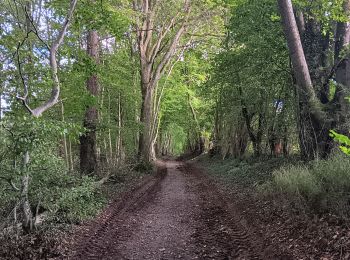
(183, 89)
(26, 133)
(79, 202)
(319, 187)
(251, 72)
(343, 140)
(53, 188)
(120, 82)
(247, 172)
(144, 167)
(297, 181)
(324, 11)
(109, 16)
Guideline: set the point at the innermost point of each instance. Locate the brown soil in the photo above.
(178, 214)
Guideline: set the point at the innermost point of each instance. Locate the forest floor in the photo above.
(178, 214)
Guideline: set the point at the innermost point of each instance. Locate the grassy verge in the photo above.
(300, 208)
(247, 173)
(319, 187)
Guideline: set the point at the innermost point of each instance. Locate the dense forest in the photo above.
(115, 109)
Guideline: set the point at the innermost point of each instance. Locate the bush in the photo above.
(68, 197)
(52, 188)
(80, 202)
(144, 167)
(321, 186)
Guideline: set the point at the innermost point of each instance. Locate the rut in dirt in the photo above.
(178, 214)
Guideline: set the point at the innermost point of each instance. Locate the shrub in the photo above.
(80, 202)
(52, 188)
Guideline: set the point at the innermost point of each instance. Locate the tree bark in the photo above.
(300, 22)
(88, 149)
(145, 144)
(27, 222)
(314, 124)
(65, 147)
(301, 69)
(239, 140)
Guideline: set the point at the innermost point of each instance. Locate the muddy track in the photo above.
(178, 214)
(222, 232)
(100, 233)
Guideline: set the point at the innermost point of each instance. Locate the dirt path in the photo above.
(178, 214)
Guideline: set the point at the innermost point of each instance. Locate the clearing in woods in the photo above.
(177, 214)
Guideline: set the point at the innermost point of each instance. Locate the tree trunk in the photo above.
(313, 132)
(146, 150)
(300, 22)
(239, 140)
(301, 69)
(119, 139)
(88, 150)
(65, 148)
(27, 222)
(156, 50)
(0, 104)
(70, 156)
(255, 138)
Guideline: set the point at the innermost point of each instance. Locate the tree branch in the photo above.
(166, 58)
(37, 112)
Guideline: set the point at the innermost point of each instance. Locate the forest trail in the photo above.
(177, 214)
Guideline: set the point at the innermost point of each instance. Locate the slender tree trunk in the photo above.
(71, 155)
(39, 110)
(88, 146)
(300, 22)
(0, 105)
(119, 127)
(65, 149)
(255, 138)
(109, 130)
(27, 222)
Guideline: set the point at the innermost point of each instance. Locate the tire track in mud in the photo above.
(221, 231)
(102, 233)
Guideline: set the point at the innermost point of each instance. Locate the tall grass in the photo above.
(322, 186)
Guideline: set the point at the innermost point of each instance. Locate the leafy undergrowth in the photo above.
(245, 172)
(76, 204)
(301, 233)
